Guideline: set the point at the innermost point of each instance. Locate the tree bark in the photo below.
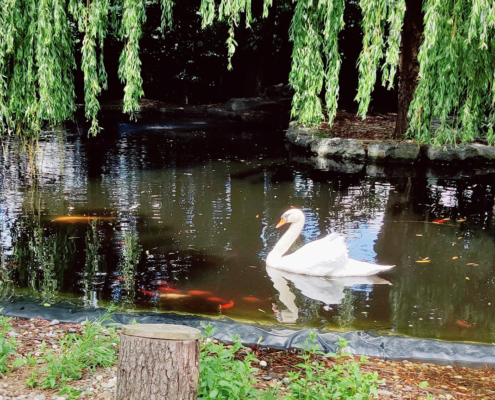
(408, 63)
(157, 369)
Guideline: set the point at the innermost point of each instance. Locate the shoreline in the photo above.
(401, 379)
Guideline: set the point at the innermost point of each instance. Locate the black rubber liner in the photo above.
(369, 343)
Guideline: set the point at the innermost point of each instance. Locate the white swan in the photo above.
(323, 257)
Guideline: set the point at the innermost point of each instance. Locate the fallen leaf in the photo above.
(455, 258)
(259, 309)
(470, 264)
(460, 237)
(453, 244)
(467, 278)
(419, 234)
(461, 220)
(423, 261)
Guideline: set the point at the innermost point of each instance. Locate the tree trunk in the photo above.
(158, 362)
(408, 62)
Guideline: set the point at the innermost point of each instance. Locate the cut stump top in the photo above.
(162, 331)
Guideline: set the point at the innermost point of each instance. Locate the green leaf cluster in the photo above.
(344, 381)
(38, 40)
(456, 83)
(456, 75)
(221, 375)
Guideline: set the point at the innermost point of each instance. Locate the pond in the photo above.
(180, 215)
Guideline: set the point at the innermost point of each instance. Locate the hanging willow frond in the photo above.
(133, 18)
(231, 10)
(457, 79)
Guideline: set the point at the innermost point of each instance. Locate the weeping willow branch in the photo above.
(457, 79)
(231, 10)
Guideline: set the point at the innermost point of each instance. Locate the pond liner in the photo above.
(369, 343)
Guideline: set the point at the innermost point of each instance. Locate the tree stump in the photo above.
(158, 362)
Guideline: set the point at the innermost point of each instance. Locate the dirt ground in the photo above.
(348, 125)
(401, 380)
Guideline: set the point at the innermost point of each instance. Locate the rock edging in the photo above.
(386, 152)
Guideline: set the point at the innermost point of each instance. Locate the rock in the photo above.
(263, 364)
(40, 397)
(301, 136)
(389, 151)
(13, 334)
(347, 149)
(251, 103)
(99, 377)
(54, 322)
(220, 112)
(72, 330)
(451, 153)
(487, 152)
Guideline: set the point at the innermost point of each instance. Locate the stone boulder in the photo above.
(258, 104)
(451, 153)
(487, 152)
(299, 136)
(346, 149)
(387, 151)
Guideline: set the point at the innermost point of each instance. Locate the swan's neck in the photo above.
(289, 237)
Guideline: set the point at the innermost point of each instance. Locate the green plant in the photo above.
(7, 347)
(32, 381)
(318, 381)
(221, 375)
(4, 324)
(94, 347)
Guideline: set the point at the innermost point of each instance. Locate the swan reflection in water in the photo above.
(327, 290)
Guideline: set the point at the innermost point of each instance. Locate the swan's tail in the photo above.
(362, 268)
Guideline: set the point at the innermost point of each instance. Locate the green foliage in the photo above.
(231, 11)
(315, 58)
(94, 347)
(456, 72)
(317, 381)
(375, 15)
(7, 347)
(221, 375)
(37, 46)
(456, 84)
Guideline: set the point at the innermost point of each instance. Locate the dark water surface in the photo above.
(186, 218)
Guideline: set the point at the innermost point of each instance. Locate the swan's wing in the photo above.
(328, 254)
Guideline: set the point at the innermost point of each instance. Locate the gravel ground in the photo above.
(401, 379)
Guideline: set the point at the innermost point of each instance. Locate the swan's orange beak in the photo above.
(282, 222)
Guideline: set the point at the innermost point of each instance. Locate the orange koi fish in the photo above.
(173, 296)
(214, 299)
(251, 299)
(441, 221)
(198, 292)
(463, 324)
(82, 218)
(227, 306)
